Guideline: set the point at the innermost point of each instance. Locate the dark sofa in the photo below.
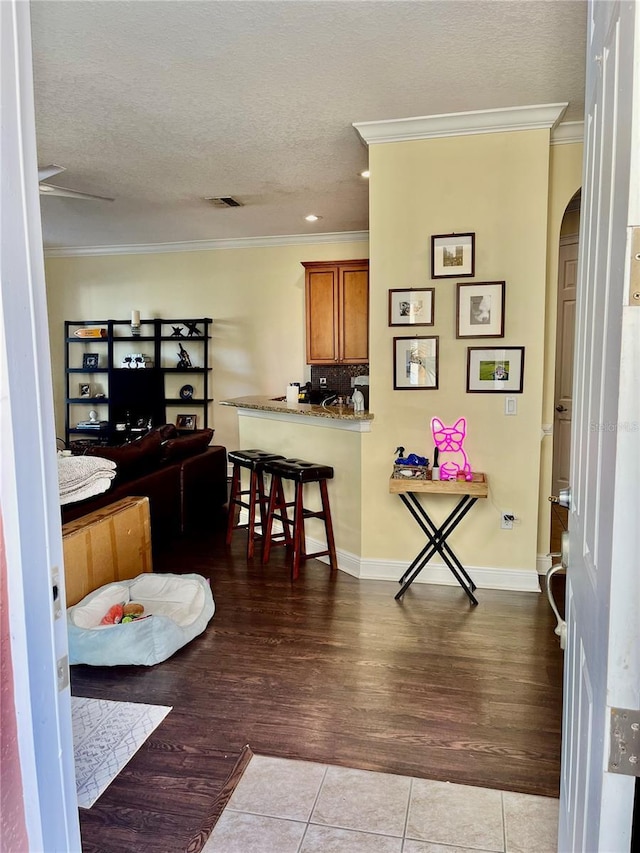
(184, 477)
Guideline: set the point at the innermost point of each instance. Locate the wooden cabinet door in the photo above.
(354, 314)
(337, 311)
(321, 289)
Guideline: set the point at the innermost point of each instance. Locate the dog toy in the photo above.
(122, 613)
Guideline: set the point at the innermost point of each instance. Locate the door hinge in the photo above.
(634, 268)
(624, 747)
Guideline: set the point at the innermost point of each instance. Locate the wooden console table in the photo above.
(469, 492)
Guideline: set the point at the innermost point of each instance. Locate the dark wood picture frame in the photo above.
(495, 370)
(405, 310)
(453, 255)
(416, 363)
(480, 309)
(90, 361)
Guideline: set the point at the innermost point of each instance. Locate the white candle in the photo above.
(135, 318)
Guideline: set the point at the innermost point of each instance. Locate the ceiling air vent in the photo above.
(223, 201)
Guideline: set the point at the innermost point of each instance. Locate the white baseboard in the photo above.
(484, 577)
(543, 563)
(515, 580)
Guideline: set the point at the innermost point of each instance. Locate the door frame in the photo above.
(565, 240)
(29, 498)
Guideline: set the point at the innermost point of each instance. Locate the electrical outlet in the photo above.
(506, 520)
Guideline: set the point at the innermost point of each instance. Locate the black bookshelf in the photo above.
(129, 399)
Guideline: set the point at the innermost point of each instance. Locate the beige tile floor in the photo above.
(282, 806)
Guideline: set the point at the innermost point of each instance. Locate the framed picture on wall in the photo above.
(415, 363)
(495, 371)
(453, 255)
(480, 309)
(412, 307)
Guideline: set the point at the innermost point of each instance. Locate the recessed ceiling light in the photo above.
(312, 217)
(365, 174)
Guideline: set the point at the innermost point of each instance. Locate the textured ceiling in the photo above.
(162, 103)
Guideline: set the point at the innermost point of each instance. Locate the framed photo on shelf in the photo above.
(186, 422)
(412, 307)
(495, 371)
(415, 363)
(84, 389)
(453, 255)
(90, 360)
(480, 309)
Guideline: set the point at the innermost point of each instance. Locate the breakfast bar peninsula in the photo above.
(331, 435)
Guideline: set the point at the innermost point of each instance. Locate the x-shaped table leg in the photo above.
(437, 543)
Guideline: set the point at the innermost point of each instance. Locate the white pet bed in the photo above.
(179, 608)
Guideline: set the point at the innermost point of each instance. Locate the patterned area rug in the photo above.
(106, 735)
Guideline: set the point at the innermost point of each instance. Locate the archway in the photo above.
(563, 383)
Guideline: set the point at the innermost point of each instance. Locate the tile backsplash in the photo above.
(338, 377)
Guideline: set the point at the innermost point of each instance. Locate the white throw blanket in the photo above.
(81, 477)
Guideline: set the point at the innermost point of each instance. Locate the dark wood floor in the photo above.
(336, 671)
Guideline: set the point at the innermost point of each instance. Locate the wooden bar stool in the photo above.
(301, 473)
(254, 462)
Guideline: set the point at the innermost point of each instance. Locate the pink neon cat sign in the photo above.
(450, 439)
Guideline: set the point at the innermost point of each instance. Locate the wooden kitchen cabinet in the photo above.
(337, 311)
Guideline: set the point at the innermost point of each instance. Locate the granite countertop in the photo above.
(278, 404)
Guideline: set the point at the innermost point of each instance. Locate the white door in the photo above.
(602, 662)
(567, 276)
(29, 500)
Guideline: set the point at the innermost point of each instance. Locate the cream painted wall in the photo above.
(565, 180)
(496, 185)
(511, 189)
(254, 295)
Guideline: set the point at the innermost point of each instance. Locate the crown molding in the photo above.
(568, 131)
(208, 245)
(541, 116)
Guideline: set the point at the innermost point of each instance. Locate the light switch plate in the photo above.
(510, 406)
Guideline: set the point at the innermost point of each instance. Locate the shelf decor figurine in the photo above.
(177, 332)
(135, 324)
(184, 361)
(136, 361)
(193, 329)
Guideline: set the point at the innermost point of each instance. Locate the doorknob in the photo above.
(561, 625)
(564, 498)
(561, 408)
